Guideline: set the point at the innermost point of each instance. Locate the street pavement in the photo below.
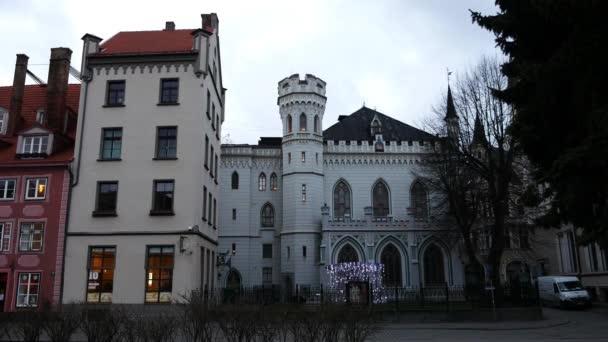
(585, 325)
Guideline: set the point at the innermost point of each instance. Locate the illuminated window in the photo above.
(101, 274)
(31, 237)
(35, 189)
(303, 122)
(159, 274)
(27, 290)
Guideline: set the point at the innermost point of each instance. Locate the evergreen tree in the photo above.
(558, 77)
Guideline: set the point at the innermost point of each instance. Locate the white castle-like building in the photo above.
(292, 205)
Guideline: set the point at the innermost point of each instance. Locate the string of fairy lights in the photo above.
(342, 276)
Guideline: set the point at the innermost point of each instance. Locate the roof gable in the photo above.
(357, 127)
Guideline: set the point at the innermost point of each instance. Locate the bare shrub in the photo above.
(332, 323)
(196, 317)
(61, 322)
(238, 325)
(101, 324)
(358, 326)
(157, 327)
(27, 326)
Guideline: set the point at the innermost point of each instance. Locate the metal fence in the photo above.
(416, 297)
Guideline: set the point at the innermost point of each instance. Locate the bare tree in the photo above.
(475, 166)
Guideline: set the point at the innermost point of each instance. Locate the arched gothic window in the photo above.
(348, 254)
(341, 200)
(289, 124)
(391, 258)
(434, 271)
(235, 180)
(316, 124)
(302, 122)
(376, 128)
(418, 197)
(380, 199)
(267, 215)
(274, 182)
(262, 182)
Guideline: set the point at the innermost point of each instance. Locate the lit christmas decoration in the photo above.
(343, 274)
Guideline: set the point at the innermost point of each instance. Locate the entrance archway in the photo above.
(233, 281)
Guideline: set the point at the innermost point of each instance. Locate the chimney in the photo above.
(210, 22)
(57, 87)
(17, 94)
(169, 26)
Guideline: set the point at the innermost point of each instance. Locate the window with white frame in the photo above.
(3, 119)
(35, 144)
(28, 290)
(35, 189)
(7, 189)
(5, 236)
(31, 237)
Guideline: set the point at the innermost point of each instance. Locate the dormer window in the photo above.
(41, 116)
(376, 127)
(3, 119)
(35, 144)
(379, 145)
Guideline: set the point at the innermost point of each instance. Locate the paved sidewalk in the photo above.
(511, 325)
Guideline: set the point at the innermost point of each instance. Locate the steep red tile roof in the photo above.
(34, 98)
(146, 42)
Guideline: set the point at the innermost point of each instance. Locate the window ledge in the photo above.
(31, 155)
(204, 219)
(109, 160)
(113, 105)
(162, 213)
(158, 158)
(215, 180)
(206, 167)
(208, 116)
(168, 104)
(104, 214)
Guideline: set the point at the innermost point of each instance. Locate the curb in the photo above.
(552, 325)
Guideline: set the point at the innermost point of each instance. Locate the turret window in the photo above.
(289, 124)
(274, 182)
(316, 124)
(235, 180)
(303, 122)
(303, 157)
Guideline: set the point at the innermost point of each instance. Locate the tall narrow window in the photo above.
(215, 165)
(116, 93)
(166, 142)
(208, 105)
(31, 237)
(274, 182)
(289, 124)
(303, 192)
(3, 117)
(267, 251)
(169, 90)
(418, 197)
(380, 199)
(5, 236)
(211, 154)
(288, 157)
(302, 122)
(262, 182)
(111, 143)
(341, 200)
(206, 152)
(235, 180)
(213, 116)
(434, 272)
(391, 259)
(233, 213)
(163, 197)
(209, 208)
(101, 274)
(7, 189)
(348, 254)
(214, 212)
(159, 274)
(304, 251)
(35, 189)
(106, 198)
(316, 124)
(28, 290)
(303, 157)
(204, 203)
(267, 215)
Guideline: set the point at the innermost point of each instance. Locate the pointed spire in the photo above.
(451, 109)
(479, 133)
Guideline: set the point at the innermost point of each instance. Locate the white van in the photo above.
(563, 291)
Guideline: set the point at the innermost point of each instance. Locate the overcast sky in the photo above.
(391, 55)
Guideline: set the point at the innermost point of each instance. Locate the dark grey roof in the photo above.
(357, 127)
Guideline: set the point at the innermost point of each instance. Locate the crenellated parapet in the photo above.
(354, 146)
